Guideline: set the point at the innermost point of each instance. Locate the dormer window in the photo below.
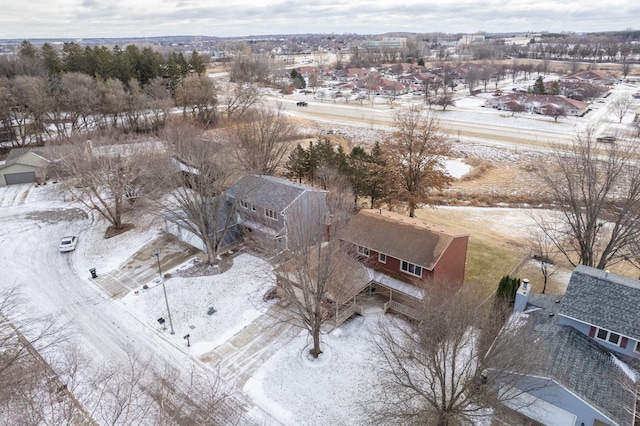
(608, 336)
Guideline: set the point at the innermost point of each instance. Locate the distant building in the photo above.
(471, 39)
(389, 43)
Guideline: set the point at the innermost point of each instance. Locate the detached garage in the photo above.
(23, 166)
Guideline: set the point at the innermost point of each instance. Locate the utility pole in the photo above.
(156, 253)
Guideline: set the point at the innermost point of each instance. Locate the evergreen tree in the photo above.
(52, 60)
(555, 88)
(507, 288)
(297, 164)
(359, 162)
(196, 64)
(538, 87)
(377, 183)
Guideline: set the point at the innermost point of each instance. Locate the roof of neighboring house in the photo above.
(579, 364)
(603, 299)
(27, 156)
(399, 236)
(591, 75)
(536, 99)
(269, 191)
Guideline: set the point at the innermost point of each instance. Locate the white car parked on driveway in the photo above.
(68, 243)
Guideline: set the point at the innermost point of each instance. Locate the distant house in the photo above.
(539, 104)
(23, 165)
(591, 336)
(594, 77)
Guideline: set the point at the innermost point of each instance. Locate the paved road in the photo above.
(478, 124)
(30, 259)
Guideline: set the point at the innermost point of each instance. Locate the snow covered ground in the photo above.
(288, 388)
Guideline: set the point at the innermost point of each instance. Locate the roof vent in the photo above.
(551, 314)
(557, 300)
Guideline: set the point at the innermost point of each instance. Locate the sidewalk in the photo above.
(142, 267)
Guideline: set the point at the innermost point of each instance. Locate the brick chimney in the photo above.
(522, 296)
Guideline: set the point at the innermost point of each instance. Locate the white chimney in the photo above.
(522, 296)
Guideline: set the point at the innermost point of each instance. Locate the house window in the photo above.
(608, 336)
(382, 258)
(271, 214)
(247, 206)
(637, 349)
(411, 269)
(363, 251)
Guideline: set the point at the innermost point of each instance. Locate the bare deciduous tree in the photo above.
(555, 112)
(198, 95)
(544, 251)
(198, 174)
(453, 366)
(316, 272)
(415, 156)
(597, 190)
(261, 139)
(106, 177)
(621, 106)
(240, 99)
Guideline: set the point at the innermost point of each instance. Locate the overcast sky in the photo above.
(125, 18)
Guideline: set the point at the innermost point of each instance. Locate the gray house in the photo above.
(267, 211)
(272, 210)
(588, 380)
(23, 165)
(604, 307)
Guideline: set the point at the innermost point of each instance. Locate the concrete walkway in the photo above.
(242, 355)
(142, 267)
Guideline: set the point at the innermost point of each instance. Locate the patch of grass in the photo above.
(487, 263)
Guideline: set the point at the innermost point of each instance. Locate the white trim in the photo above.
(593, 325)
(606, 339)
(637, 348)
(363, 251)
(406, 271)
(380, 256)
(271, 214)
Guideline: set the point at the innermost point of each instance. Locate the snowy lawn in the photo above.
(332, 390)
(94, 251)
(236, 296)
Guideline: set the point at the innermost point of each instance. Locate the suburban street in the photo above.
(51, 285)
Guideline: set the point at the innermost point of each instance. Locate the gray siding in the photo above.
(560, 397)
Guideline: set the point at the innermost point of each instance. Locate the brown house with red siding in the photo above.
(405, 256)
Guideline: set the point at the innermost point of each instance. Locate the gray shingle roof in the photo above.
(268, 191)
(605, 300)
(579, 364)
